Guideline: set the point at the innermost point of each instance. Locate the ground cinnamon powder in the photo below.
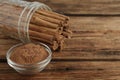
(29, 53)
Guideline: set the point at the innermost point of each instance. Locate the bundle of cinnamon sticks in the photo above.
(45, 26)
(49, 27)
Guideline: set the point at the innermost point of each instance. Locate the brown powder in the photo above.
(29, 53)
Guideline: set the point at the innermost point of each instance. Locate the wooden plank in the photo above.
(94, 24)
(93, 38)
(82, 48)
(4, 41)
(93, 7)
(68, 71)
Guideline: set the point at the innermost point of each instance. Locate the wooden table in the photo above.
(93, 53)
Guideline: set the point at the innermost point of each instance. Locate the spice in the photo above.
(29, 53)
(45, 26)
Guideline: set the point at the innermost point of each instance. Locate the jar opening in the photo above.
(25, 17)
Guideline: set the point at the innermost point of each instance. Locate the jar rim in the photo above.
(32, 7)
(9, 52)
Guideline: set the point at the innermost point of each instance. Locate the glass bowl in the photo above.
(29, 69)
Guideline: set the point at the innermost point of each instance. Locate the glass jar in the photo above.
(15, 16)
(30, 68)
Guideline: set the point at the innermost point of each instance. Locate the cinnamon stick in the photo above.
(43, 12)
(49, 19)
(66, 34)
(66, 26)
(53, 46)
(59, 38)
(45, 26)
(40, 22)
(62, 45)
(43, 29)
(54, 13)
(42, 36)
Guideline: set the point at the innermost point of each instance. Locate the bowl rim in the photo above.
(9, 52)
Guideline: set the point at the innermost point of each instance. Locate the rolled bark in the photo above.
(45, 26)
(56, 14)
(40, 22)
(53, 15)
(43, 29)
(53, 46)
(49, 19)
(46, 37)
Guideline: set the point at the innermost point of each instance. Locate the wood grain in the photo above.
(68, 71)
(93, 38)
(93, 53)
(84, 7)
